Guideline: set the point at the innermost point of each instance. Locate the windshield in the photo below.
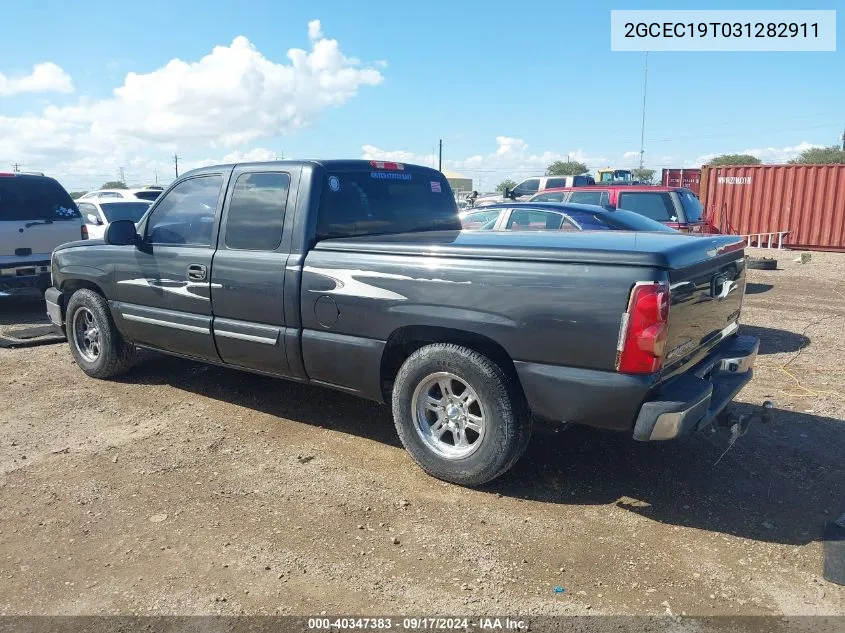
(124, 210)
(692, 207)
(32, 198)
(378, 202)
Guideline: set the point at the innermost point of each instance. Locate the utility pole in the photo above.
(642, 128)
(843, 140)
(440, 159)
(16, 167)
(176, 163)
(122, 177)
(155, 171)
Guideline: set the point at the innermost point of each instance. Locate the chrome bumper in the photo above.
(691, 401)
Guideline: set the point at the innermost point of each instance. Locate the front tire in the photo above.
(459, 415)
(96, 345)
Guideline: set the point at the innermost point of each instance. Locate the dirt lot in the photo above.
(191, 489)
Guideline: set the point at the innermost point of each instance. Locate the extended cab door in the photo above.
(248, 273)
(163, 286)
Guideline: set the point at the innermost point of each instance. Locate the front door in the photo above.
(163, 284)
(247, 278)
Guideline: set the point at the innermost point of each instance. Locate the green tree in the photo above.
(566, 168)
(76, 195)
(735, 159)
(644, 175)
(114, 184)
(507, 183)
(821, 156)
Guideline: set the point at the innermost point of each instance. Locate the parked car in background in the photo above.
(97, 214)
(676, 207)
(531, 186)
(36, 216)
(355, 275)
(146, 193)
(528, 216)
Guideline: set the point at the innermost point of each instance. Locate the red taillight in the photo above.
(377, 164)
(642, 335)
(84, 232)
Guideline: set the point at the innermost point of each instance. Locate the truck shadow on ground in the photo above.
(780, 483)
(776, 341)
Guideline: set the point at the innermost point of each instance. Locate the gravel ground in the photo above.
(190, 489)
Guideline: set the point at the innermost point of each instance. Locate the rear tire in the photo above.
(459, 415)
(96, 345)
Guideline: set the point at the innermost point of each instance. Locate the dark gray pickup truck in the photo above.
(355, 275)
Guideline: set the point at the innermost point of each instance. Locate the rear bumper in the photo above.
(683, 404)
(692, 401)
(25, 275)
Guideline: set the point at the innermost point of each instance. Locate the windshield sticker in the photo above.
(64, 212)
(334, 183)
(389, 175)
(435, 186)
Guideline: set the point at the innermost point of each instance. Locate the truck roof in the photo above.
(600, 187)
(330, 165)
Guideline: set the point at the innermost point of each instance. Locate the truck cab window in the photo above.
(186, 213)
(257, 211)
(527, 187)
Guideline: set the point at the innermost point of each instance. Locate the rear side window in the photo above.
(257, 211)
(553, 183)
(380, 202)
(692, 207)
(588, 197)
(655, 205)
(29, 199)
(534, 220)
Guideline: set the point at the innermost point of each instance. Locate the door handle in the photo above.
(197, 272)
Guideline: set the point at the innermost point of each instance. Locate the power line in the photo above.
(642, 128)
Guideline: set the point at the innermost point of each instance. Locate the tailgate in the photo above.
(706, 299)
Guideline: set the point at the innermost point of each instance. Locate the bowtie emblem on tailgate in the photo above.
(721, 286)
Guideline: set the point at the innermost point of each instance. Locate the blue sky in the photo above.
(539, 76)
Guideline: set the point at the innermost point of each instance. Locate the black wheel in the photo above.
(762, 263)
(96, 345)
(459, 415)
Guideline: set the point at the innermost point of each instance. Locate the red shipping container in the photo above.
(689, 178)
(806, 200)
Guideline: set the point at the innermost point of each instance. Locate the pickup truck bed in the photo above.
(371, 288)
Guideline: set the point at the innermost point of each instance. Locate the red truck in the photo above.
(676, 207)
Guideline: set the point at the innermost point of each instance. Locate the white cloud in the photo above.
(765, 154)
(512, 158)
(46, 77)
(226, 100)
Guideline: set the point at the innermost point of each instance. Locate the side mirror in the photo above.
(93, 219)
(508, 193)
(121, 233)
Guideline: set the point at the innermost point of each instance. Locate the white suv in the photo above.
(531, 186)
(36, 216)
(147, 193)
